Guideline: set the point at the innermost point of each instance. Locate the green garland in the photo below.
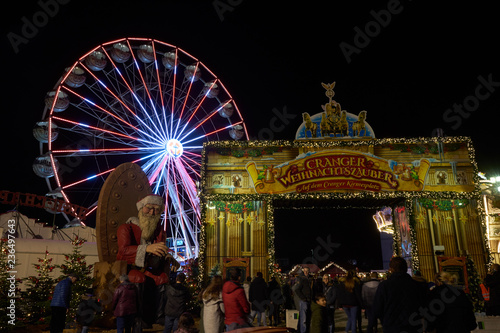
(253, 152)
(424, 149)
(444, 205)
(234, 208)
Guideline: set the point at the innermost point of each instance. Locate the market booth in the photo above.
(429, 186)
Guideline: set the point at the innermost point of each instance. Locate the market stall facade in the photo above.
(430, 185)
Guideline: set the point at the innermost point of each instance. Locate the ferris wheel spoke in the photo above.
(174, 87)
(198, 104)
(190, 165)
(133, 93)
(124, 105)
(188, 185)
(213, 132)
(93, 152)
(147, 90)
(194, 155)
(182, 218)
(191, 80)
(203, 120)
(98, 130)
(160, 90)
(101, 109)
(87, 179)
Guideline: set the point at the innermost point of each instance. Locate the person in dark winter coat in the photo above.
(259, 299)
(275, 301)
(60, 303)
(286, 290)
(398, 300)
(125, 304)
(302, 291)
(456, 313)
(368, 291)
(87, 310)
(236, 306)
(349, 298)
(492, 281)
(177, 300)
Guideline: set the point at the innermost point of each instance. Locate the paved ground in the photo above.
(340, 322)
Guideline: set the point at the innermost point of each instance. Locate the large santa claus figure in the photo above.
(141, 243)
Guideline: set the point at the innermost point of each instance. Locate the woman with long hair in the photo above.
(456, 313)
(213, 307)
(349, 298)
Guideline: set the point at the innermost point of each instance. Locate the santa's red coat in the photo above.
(129, 240)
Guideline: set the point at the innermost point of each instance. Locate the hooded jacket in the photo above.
(177, 300)
(125, 299)
(235, 303)
(368, 291)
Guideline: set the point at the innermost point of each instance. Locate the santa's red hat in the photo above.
(152, 199)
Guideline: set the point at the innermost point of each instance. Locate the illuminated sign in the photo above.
(336, 170)
(41, 201)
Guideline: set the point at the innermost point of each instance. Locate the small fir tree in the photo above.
(474, 281)
(215, 270)
(39, 288)
(192, 271)
(75, 263)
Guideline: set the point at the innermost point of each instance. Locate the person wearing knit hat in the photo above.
(142, 244)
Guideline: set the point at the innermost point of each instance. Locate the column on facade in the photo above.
(447, 230)
(424, 243)
(469, 218)
(259, 241)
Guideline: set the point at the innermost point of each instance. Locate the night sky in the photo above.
(414, 66)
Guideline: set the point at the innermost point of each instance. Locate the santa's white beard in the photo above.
(148, 224)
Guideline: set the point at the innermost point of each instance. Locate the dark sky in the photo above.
(413, 65)
(320, 236)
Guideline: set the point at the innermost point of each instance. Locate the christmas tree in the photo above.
(474, 285)
(75, 263)
(192, 270)
(36, 297)
(216, 270)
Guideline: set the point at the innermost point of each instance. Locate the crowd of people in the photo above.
(398, 303)
(153, 291)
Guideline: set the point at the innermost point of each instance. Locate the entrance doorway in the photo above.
(319, 236)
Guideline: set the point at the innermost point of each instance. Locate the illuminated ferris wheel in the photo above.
(135, 100)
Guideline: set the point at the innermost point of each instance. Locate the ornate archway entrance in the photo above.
(431, 184)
